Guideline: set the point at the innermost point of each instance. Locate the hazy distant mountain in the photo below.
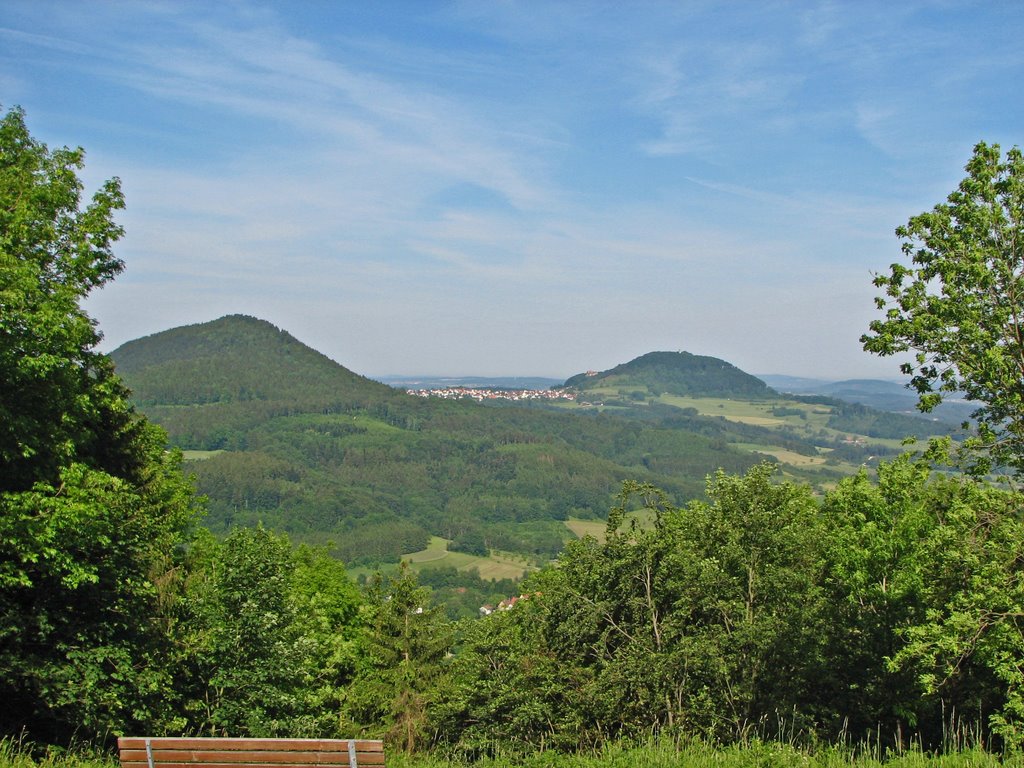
(796, 385)
(677, 373)
(875, 393)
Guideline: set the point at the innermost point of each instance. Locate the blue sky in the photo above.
(529, 188)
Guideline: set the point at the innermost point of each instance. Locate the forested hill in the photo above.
(236, 359)
(677, 373)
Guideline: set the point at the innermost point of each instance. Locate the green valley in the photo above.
(278, 434)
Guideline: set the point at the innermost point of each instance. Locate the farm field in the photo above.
(597, 528)
(581, 528)
(757, 412)
(199, 455)
(792, 458)
(499, 565)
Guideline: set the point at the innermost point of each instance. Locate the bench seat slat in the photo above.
(212, 752)
(244, 744)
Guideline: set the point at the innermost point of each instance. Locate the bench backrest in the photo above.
(173, 752)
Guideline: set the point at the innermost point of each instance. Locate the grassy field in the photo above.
(757, 412)
(597, 528)
(792, 458)
(499, 565)
(199, 455)
(581, 528)
(437, 549)
(807, 420)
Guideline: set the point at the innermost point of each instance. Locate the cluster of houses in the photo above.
(472, 393)
(505, 605)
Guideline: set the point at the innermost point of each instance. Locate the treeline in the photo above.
(892, 607)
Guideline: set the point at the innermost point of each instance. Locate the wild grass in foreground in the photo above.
(16, 754)
(752, 755)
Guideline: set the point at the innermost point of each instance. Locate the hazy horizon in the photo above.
(466, 375)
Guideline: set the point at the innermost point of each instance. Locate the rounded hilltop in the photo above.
(677, 373)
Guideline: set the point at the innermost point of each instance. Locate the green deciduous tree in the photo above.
(81, 644)
(710, 623)
(92, 509)
(59, 399)
(512, 692)
(967, 649)
(263, 638)
(959, 306)
(267, 638)
(874, 582)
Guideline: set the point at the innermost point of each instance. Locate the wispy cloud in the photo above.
(472, 186)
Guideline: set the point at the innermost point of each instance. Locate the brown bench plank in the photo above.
(190, 752)
(251, 758)
(229, 743)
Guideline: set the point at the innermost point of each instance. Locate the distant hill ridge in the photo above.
(677, 373)
(882, 395)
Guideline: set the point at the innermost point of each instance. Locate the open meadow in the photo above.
(497, 565)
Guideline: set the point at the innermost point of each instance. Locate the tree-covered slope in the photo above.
(236, 359)
(676, 373)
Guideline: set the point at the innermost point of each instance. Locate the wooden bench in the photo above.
(173, 752)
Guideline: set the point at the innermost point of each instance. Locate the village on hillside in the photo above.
(472, 393)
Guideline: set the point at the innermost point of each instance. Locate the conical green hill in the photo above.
(236, 359)
(677, 373)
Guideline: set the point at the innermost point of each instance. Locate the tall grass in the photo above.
(15, 753)
(754, 754)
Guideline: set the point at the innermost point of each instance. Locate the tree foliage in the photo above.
(92, 508)
(407, 643)
(59, 400)
(266, 638)
(959, 306)
(762, 612)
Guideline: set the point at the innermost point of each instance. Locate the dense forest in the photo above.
(888, 607)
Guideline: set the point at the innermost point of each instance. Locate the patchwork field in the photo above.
(786, 457)
(598, 528)
(199, 455)
(499, 565)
